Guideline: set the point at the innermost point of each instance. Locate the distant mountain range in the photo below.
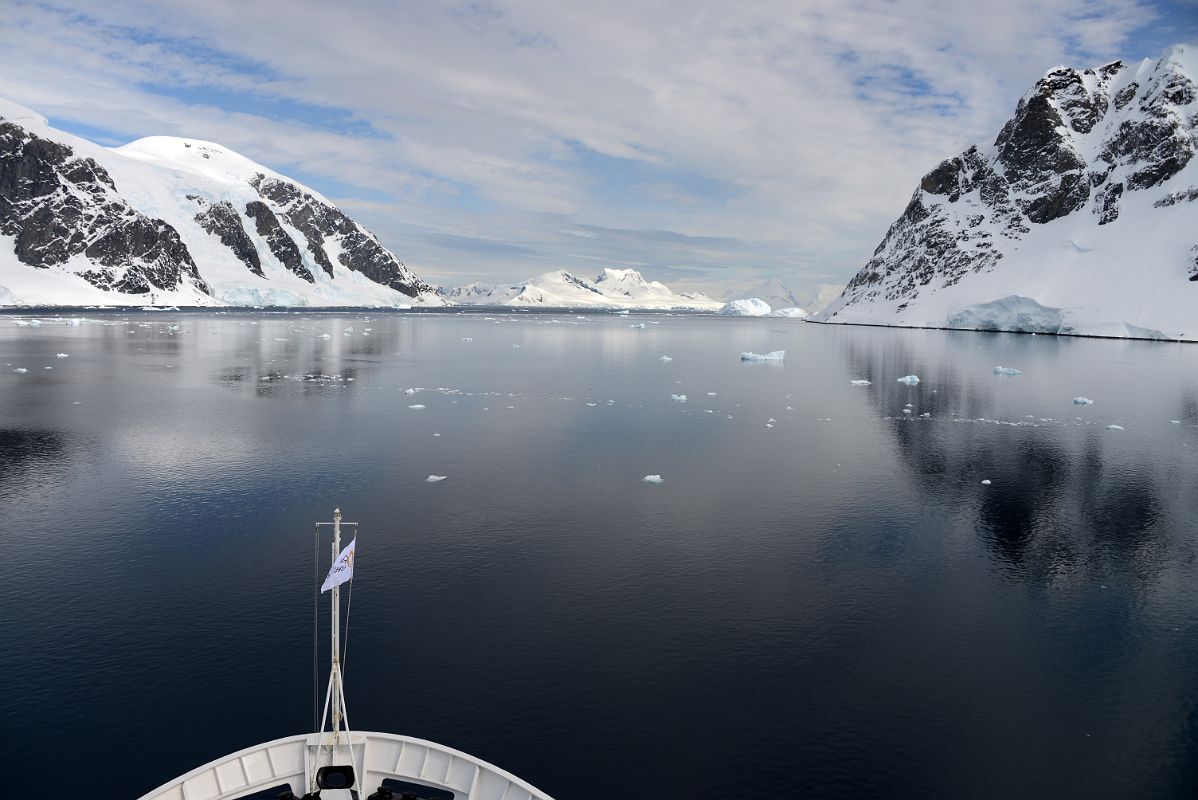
(612, 288)
(1081, 217)
(165, 220)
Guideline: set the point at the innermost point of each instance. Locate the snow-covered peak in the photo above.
(627, 277)
(208, 160)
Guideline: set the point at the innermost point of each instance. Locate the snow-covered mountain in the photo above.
(165, 220)
(612, 288)
(1081, 217)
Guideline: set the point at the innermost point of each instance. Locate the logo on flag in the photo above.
(343, 568)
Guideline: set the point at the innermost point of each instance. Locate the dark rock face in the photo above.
(320, 222)
(1078, 139)
(58, 205)
(281, 245)
(1106, 203)
(223, 221)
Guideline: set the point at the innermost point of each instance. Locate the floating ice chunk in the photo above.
(776, 355)
(321, 336)
(409, 391)
(516, 346)
(20, 369)
(926, 414)
(910, 380)
(1082, 401)
(859, 383)
(711, 394)
(652, 479)
(749, 307)
(906, 411)
(416, 407)
(435, 478)
(637, 325)
(909, 405)
(678, 398)
(665, 359)
(47, 367)
(35, 323)
(771, 419)
(986, 482)
(63, 355)
(467, 338)
(1007, 371)
(1174, 422)
(1114, 427)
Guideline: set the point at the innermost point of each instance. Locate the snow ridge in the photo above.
(612, 288)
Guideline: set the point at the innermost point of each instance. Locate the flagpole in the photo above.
(336, 643)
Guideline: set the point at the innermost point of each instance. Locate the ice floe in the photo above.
(435, 478)
(63, 355)
(665, 359)
(652, 479)
(416, 407)
(910, 380)
(859, 383)
(1007, 371)
(1082, 401)
(986, 482)
(1114, 427)
(776, 355)
(678, 398)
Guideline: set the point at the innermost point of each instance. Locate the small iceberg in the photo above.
(416, 407)
(1007, 371)
(777, 355)
(986, 482)
(1114, 427)
(665, 359)
(409, 391)
(651, 479)
(467, 338)
(435, 478)
(63, 355)
(637, 325)
(1082, 401)
(21, 370)
(678, 398)
(859, 383)
(910, 380)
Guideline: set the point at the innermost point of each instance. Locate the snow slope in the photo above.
(233, 231)
(1081, 217)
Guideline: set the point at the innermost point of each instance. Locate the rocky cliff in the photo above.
(1080, 217)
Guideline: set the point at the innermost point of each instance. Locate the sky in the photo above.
(708, 144)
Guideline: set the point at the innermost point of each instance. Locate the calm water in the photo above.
(834, 606)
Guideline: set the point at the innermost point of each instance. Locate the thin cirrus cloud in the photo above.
(707, 143)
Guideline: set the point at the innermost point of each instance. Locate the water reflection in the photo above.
(1063, 496)
(29, 458)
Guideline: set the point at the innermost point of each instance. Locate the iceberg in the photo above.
(986, 482)
(789, 313)
(666, 359)
(435, 478)
(678, 398)
(63, 355)
(910, 380)
(416, 407)
(751, 307)
(1082, 401)
(20, 370)
(776, 355)
(1114, 427)
(652, 479)
(1007, 371)
(859, 383)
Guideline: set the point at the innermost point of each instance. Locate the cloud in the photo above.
(778, 137)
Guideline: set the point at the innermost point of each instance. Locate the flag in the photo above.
(343, 568)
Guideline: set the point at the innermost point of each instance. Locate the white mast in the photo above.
(335, 695)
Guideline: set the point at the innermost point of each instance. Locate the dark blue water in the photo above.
(830, 604)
